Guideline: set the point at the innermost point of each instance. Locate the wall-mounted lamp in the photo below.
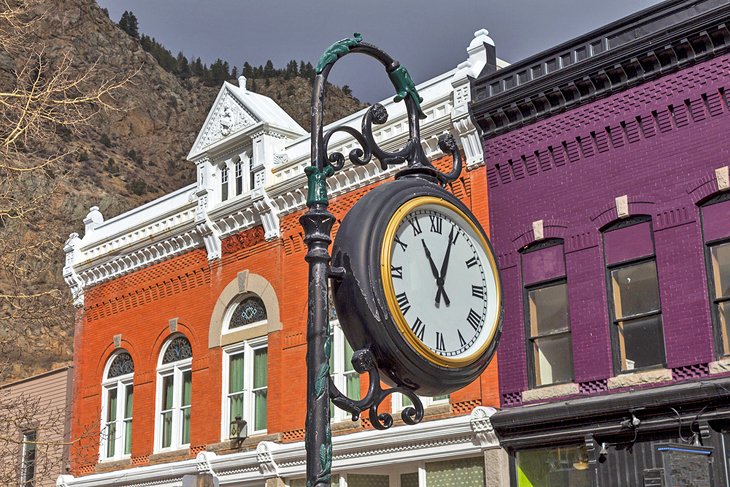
(631, 423)
(239, 431)
(603, 451)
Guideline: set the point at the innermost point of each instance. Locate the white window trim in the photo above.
(248, 348)
(176, 369)
(339, 375)
(120, 383)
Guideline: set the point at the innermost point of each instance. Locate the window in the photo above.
(117, 402)
(633, 287)
(342, 372)
(716, 230)
(174, 379)
(249, 310)
(28, 459)
(246, 385)
(239, 176)
(401, 402)
(549, 347)
(224, 183)
(554, 466)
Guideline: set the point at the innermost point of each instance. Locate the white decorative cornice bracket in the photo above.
(481, 425)
(72, 249)
(265, 457)
(64, 480)
(203, 462)
(268, 212)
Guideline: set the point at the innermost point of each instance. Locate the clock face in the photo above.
(440, 281)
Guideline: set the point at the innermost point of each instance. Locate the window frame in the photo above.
(248, 348)
(338, 373)
(530, 340)
(610, 301)
(225, 182)
(713, 302)
(25, 434)
(120, 383)
(176, 370)
(526, 289)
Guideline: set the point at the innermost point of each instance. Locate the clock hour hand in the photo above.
(439, 280)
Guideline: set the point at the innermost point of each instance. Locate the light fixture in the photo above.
(239, 430)
(604, 450)
(581, 464)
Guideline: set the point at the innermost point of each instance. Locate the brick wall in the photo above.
(139, 306)
(658, 143)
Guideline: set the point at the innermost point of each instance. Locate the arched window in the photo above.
(117, 401)
(246, 367)
(174, 388)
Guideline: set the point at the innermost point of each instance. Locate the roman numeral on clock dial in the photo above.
(419, 329)
(477, 291)
(396, 271)
(403, 303)
(436, 223)
(474, 319)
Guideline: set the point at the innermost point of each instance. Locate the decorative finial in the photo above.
(242, 82)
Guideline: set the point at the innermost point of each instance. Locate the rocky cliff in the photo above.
(122, 158)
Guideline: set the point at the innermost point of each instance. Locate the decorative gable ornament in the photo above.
(227, 117)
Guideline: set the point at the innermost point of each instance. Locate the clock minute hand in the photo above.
(445, 263)
(435, 272)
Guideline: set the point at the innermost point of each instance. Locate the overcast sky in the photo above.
(427, 36)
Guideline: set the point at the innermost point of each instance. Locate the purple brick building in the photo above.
(609, 196)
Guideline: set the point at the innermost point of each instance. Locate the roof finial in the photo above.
(242, 82)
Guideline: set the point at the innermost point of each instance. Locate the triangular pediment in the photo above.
(228, 116)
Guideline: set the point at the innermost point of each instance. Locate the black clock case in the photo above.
(360, 300)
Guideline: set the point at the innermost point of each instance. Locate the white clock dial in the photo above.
(444, 282)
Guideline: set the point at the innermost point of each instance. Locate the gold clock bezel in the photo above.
(389, 291)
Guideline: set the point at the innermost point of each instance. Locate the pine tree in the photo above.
(183, 66)
(269, 71)
(234, 73)
(128, 23)
(247, 70)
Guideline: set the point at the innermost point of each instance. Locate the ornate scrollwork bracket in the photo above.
(411, 153)
(363, 361)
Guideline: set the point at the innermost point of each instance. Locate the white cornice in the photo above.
(429, 441)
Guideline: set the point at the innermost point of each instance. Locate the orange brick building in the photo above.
(192, 311)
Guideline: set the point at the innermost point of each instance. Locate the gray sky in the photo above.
(427, 36)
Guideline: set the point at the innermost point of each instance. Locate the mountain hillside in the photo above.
(122, 158)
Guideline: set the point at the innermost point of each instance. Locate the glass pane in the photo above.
(128, 437)
(167, 392)
(635, 289)
(260, 410)
(166, 429)
(121, 365)
(250, 310)
(332, 353)
(186, 388)
(111, 405)
(548, 309)
(186, 426)
(553, 359)
(409, 479)
(352, 383)
(724, 315)
(363, 480)
(111, 439)
(641, 341)
(29, 457)
(553, 467)
(235, 371)
(128, 401)
(235, 404)
(456, 473)
(179, 349)
(260, 365)
(348, 356)
(440, 398)
(405, 401)
(721, 269)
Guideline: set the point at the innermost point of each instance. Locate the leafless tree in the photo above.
(44, 100)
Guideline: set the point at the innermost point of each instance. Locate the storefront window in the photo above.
(465, 472)
(565, 466)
